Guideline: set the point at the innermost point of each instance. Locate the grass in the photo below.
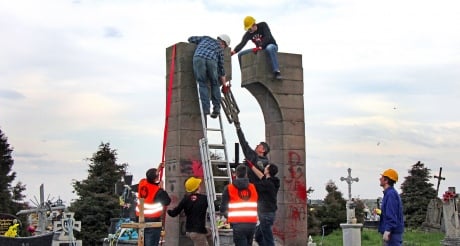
(370, 237)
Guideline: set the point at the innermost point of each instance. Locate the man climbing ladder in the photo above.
(208, 64)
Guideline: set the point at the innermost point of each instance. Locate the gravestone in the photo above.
(6, 220)
(65, 228)
(450, 217)
(41, 209)
(350, 207)
(351, 231)
(433, 215)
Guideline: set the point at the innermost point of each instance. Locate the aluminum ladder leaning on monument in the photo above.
(209, 177)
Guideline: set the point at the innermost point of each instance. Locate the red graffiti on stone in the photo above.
(296, 180)
(197, 168)
(296, 193)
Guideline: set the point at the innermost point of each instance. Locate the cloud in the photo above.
(78, 73)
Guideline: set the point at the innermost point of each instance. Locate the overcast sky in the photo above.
(382, 84)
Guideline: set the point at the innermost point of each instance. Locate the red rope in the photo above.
(165, 133)
(168, 108)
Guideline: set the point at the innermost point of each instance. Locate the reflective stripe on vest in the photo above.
(151, 210)
(242, 207)
(148, 191)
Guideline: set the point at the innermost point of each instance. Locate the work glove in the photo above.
(256, 49)
(232, 52)
(386, 236)
(225, 88)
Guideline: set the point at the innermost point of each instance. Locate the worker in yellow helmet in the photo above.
(194, 205)
(261, 36)
(391, 224)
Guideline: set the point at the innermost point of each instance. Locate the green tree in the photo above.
(416, 194)
(359, 210)
(313, 222)
(97, 201)
(333, 212)
(11, 197)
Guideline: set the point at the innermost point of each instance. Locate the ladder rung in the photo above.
(221, 178)
(216, 146)
(219, 162)
(214, 129)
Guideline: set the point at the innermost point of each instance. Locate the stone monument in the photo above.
(451, 219)
(282, 106)
(351, 229)
(434, 210)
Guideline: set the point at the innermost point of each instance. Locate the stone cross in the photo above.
(439, 177)
(349, 180)
(65, 227)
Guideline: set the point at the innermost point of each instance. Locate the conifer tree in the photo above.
(333, 212)
(97, 201)
(416, 194)
(11, 197)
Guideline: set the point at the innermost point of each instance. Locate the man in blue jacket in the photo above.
(391, 224)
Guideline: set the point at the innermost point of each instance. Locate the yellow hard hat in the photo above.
(192, 184)
(248, 22)
(391, 174)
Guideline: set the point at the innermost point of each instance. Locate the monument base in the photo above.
(450, 242)
(351, 234)
(226, 237)
(67, 243)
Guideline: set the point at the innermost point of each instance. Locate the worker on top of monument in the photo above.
(257, 156)
(261, 36)
(208, 65)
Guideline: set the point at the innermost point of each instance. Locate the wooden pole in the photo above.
(141, 225)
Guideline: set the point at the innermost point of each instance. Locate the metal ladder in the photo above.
(208, 166)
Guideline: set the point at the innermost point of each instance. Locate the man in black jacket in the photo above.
(261, 36)
(267, 188)
(194, 205)
(257, 156)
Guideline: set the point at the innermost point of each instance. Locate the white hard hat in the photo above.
(225, 38)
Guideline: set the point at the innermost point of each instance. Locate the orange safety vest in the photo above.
(242, 206)
(148, 191)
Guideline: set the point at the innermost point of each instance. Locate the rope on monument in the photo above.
(165, 133)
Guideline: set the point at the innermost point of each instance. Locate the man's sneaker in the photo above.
(278, 75)
(214, 114)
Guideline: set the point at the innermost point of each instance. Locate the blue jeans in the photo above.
(264, 233)
(206, 70)
(152, 236)
(271, 50)
(243, 233)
